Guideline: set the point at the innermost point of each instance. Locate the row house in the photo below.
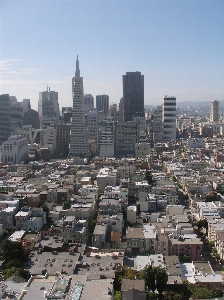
(66, 229)
(142, 186)
(191, 247)
(89, 189)
(37, 220)
(110, 206)
(150, 237)
(7, 218)
(81, 211)
(206, 210)
(79, 232)
(116, 192)
(114, 222)
(132, 216)
(125, 171)
(103, 179)
(135, 241)
(99, 235)
(21, 219)
(219, 242)
(216, 224)
(162, 244)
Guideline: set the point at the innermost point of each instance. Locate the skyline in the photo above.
(176, 45)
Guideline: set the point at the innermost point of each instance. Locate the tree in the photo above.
(155, 278)
(149, 177)
(170, 295)
(174, 178)
(202, 292)
(185, 197)
(14, 272)
(66, 205)
(12, 250)
(148, 274)
(217, 256)
(203, 224)
(211, 244)
(186, 258)
(47, 211)
(14, 263)
(161, 280)
(216, 292)
(127, 272)
(117, 295)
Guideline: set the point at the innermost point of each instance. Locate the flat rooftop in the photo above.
(54, 264)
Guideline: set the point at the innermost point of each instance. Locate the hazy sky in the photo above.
(178, 45)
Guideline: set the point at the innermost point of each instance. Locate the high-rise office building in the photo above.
(157, 125)
(102, 103)
(126, 136)
(88, 103)
(92, 124)
(78, 138)
(106, 137)
(214, 113)
(4, 118)
(169, 118)
(133, 94)
(48, 108)
(16, 116)
(31, 117)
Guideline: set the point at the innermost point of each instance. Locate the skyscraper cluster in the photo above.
(84, 130)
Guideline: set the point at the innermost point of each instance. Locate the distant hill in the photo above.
(200, 103)
(189, 104)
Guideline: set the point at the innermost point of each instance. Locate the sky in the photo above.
(178, 45)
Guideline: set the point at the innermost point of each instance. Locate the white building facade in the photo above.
(15, 149)
(169, 118)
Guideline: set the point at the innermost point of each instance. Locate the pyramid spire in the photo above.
(77, 71)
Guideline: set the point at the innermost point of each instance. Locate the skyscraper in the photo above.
(78, 139)
(169, 118)
(4, 118)
(157, 126)
(88, 103)
(214, 113)
(102, 103)
(48, 108)
(133, 94)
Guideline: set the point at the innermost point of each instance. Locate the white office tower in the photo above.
(169, 118)
(214, 113)
(14, 150)
(78, 137)
(48, 108)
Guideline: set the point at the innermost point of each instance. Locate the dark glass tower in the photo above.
(133, 94)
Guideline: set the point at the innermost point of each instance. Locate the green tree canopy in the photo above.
(66, 205)
(174, 178)
(161, 279)
(12, 250)
(148, 274)
(202, 224)
(149, 177)
(155, 278)
(170, 295)
(46, 209)
(15, 272)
